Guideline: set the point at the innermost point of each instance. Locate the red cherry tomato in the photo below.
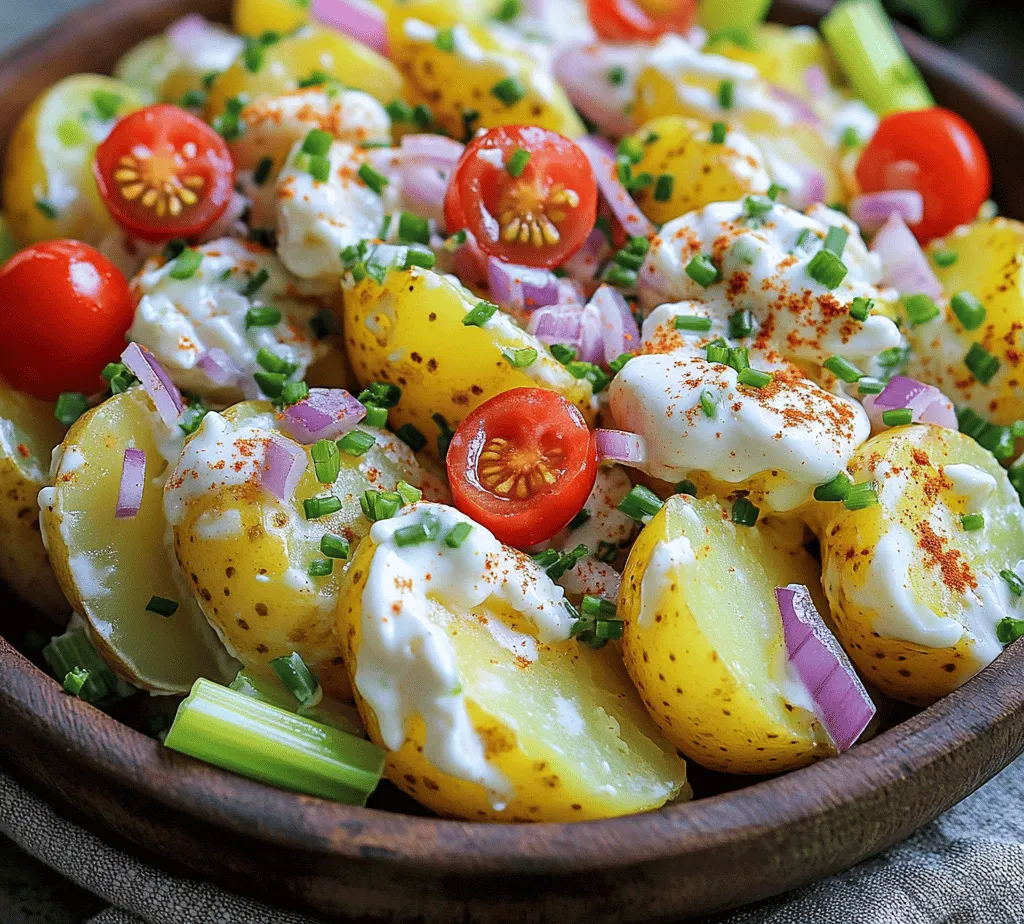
(522, 464)
(937, 153)
(64, 310)
(539, 217)
(163, 173)
(640, 20)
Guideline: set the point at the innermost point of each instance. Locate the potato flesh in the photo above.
(110, 568)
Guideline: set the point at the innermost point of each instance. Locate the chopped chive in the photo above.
(692, 322)
(639, 503)
(757, 206)
(617, 276)
(186, 264)
(741, 324)
(419, 256)
(106, 103)
(802, 238)
(726, 92)
(1008, 630)
(334, 546)
(739, 358)
(1013, 581)
(457, 535)
(861, 496)
(318, 166)
(686, 487)
(411, 436)
(843, 369)
(719, 131)
(617, 364)
(598, 608)
(520, 357)
(409, 493)
(274, 363)
(398, 111)
(292, 671)
(417, 533)
(597, 377)
(445, 40)
(564, 354)
(753, 378)
(376, 417)
(566, 561)
(944, 258)
(262, 171)
(479, 314)
(974, 425)
(744, 250)
(835, 240)
(970, 312)
(607, 551)
(870, 386)
(663, 187)
(702, 271)
(317, 142)
(326, 461)
(262, 316)
(256, 282)
(972, 521)
(850, 137)
(376, 181)
(379, 505)
(510, 91)
(998, 440)
(826, 268)
(898, 417)
(119, 377)
(838, 489)
(517, 162)
(920, 309)
(320, 567)
(546, 558)
(582, 517)
(744, 513)
(321, 506)
(383, 394)
(708, 403)
(162, 606)
(981, 363)
(272, 745)
(356, 442)
(75, 680)
(192, 416)
(718, 353)
(255, 49)
(48, 209)
(616, 75)
(413, 229)
(861, 308)
(509, 10)
(293, 393)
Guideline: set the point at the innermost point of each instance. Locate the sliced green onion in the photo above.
(73, 650)
(616, 75)
(835, 240)
(663, 187)
(861, 308)
(702, 271)
(843, 369)
(509, 10)
(293, 393)
(334, 546)
(317, 142)
(719, 131)
(270, 361)
(262, 172)
(564, 354)
(861, 496)
(457, 535)
(510, 91)
(838, 489)
(277, 747)
(726, 91)
(920, 309)
(718, 353)
(692, 322)
(326, 461)
(379, 505)
(479, 314)
(970, 312)
(517, 162)
(187, 263)
(411, 436)
(1008, 630)
(520, 357)
(413, 229)
(744, 513)
(75, 680)
(741, 324)
(263, 316)
(944, 258)
(566, 561)
(639, 503)
(982, 364)
(582, 517)
(739, 358)
(356, 442)
(192, 416)
(686, 487)
(898, 417)
(757, 206)
(409, 493)
(444, 434)
(376, 417)
(426, 530)
(972, 521)
(445, 40)
(46, 209)
(598, 379)
(607, 551)
(292, 671)
(753, 378)
(383, 394)
(998, 440)
(744, 250)
(617, 364)
(119, 377)
(419, 256)
(850, 137)
(708, 403)
(162, 606)
(374, 180)
(321, 506)
(1014, 582)
(870, 386)
(826, 268)
(106, 103)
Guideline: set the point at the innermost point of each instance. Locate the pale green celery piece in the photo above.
(342, 716)
(237, 732)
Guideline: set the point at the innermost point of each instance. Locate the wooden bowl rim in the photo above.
(979, 708)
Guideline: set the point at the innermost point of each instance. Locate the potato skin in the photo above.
(28, 433)
(409, 332)
(547, 785)
(704, 698)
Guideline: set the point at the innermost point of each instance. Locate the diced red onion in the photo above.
(325, 415)
(577, 326)
(904, 265)
(157, 383)
(929, 405)
(602, 159)
(358, 19)
(133, 482)
(582, 72)
(425, 164)
(872, 210)
(619, 329)
(283, 465)
(186, 34)
(816, 80)
(433, 147)
(810, 189)
(842, 705)
(219, 367)
(621, 446)
(585, 263)
(800, 108)
(516, 287)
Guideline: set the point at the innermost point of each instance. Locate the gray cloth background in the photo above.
(965, 868)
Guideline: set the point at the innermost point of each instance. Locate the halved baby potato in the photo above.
(28, 433)
(111, 569)
(915, 589)
(409, 331)
(248, 555)
(560, 724)
(703, 639)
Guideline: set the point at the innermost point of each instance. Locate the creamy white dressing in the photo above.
(667, 557)
(179, 320)
(971, 482)
(406, 663)
(762, 271)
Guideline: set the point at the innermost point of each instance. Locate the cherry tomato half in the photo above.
(937, 153)
(163, 173)
(64, 310)
(522, 464)
(534, 208)
(640, 20)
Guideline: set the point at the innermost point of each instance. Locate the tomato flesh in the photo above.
(640, 20)
(163, 173)
(539, 217)
(522, 464)
(66, 309)
(937, 153)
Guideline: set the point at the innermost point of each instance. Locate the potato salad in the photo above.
(514, 400)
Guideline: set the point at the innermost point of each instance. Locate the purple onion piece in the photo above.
(325, 415)
(283, 465)
(156, 382)
(133, 483)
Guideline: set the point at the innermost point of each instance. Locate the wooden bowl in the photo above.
(376, 865)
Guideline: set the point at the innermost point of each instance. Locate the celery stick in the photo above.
(328, 711)
(869, 51)
(255, 739)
